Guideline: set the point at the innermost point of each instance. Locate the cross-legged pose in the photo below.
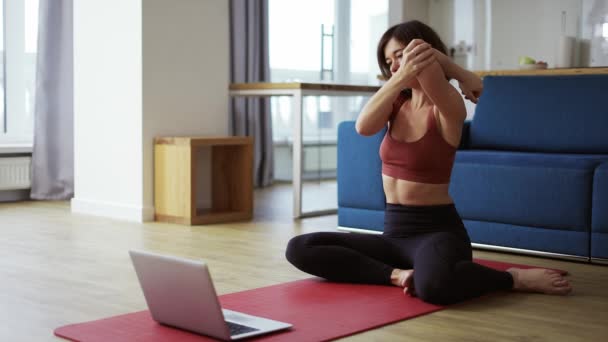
(424, 248)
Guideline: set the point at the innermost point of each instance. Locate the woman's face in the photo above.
(393, 52)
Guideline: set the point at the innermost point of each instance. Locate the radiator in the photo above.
(15, 173)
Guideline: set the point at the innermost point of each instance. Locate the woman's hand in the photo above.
(416, 56)
(471, 87)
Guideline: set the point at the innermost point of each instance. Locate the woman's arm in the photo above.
(445, 97)
(377, 110)
(470, 84)
(451, 69)
(373, 117)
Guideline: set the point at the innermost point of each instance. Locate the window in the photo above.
(368, 21)
(18, 50)
(317, 41)
(2, 83)
(295, 38)
(320, 41)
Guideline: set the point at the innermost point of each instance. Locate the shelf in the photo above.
(176, 178)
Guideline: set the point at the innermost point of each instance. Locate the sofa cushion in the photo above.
(528, 189)
(565, 114)
(599, 213)
(359, 169)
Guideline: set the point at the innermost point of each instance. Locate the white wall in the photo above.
(186, 55)
(142, 68)
(441, 19)
(416, 9)
(395, 12)
(404, 10)
(504, 30)
(108, 167)
(530, 28)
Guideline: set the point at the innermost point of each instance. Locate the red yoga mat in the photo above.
(319, 311)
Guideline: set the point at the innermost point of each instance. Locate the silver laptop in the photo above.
(180, 293)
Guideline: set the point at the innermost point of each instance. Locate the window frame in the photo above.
(16, 123)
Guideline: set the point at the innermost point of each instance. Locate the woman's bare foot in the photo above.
(539, 280)
(405, 279)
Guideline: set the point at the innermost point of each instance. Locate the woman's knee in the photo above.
(294, 246)
(428, 291)
(436, 288)
(297, 248)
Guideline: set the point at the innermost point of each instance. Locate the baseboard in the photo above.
(530, 252)
(359, 230)
(600, 261)
(112, 210)
(14, 195)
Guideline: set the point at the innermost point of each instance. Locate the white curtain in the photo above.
(53, 153)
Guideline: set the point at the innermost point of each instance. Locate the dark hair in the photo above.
(405, 33)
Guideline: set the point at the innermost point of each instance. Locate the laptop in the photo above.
(180, 293)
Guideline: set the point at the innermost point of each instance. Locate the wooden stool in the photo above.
(175, 179)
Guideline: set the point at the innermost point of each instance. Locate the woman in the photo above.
(424, 248)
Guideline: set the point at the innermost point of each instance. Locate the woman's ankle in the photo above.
(395, 276)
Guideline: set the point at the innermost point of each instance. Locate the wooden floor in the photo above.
(58, 268)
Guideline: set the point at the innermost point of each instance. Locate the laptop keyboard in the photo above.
(237, 329)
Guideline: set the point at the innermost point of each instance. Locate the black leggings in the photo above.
(440, 256)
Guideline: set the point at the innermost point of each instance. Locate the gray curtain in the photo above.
(53, 153)
(249, 63)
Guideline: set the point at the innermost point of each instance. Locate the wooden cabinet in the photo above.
(176, 178)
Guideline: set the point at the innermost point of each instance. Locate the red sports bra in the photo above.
(426, 160)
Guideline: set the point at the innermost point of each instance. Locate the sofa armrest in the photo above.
(359, 169)
(599, 216)
(464, 140)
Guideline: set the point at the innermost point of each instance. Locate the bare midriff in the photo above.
(399, 191)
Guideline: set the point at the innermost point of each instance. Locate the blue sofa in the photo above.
(530, 176)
